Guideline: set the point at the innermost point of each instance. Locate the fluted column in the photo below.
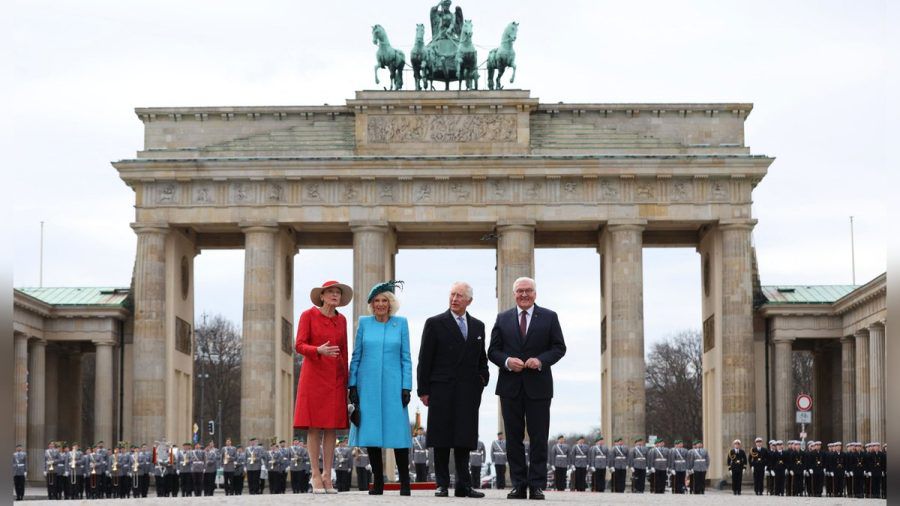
(784, 388)
(738, 386)
(258, 346)
(37, 402)
(848, 389)
(103, 391)
(20, 347)
(863, 421)
(515, 259)
(876, 382)
(371, 262)
(625, 341)
(149, 349)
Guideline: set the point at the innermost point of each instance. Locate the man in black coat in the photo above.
(525, 342)
(452, 374)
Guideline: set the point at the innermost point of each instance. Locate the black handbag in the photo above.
(353, 412)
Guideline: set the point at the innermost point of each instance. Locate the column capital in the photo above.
(847, 339)
(784, 340)
(624, 225)
(876, 327)
(36, 341)
(369, 226)
(150, 228)
(737, 224)
(862, 332)
(104, 342)
(511, 224)
(270, 227)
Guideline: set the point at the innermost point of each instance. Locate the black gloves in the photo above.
(405, 397)
(354, 396)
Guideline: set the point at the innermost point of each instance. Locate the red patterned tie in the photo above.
(523, 324)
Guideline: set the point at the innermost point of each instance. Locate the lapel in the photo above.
(534, 319)
(450, 322)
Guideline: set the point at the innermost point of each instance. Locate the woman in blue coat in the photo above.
(380, 383)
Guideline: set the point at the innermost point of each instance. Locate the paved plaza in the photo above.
(712, 497)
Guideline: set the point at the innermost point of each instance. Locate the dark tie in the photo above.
(523, 324)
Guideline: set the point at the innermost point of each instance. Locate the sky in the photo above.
(815, 72)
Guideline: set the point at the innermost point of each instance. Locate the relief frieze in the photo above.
(457, 128)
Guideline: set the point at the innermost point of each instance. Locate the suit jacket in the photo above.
(453, 372)
(544, 341)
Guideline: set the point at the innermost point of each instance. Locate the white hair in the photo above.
(467, 288)
(392, 300)
(523, 280)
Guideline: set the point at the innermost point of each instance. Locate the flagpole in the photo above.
(41, 266)
(852, 252)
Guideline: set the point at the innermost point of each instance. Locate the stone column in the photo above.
(738, 386)
(103, 391)
(20, 347)
(625, 341)
(876, 382)
(515, 259)
(848, 389)
(863, 421)
(784, 388)
(258, 348)
(370, 263)
(37, 389)
(149, 349)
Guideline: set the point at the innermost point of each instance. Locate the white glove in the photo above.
(26, 475)
(593, 470)
(368, 467)
(792, 473)
(805, 472)
(671, 472)
(652, 469)
(45, 473)
(690, 471)
(571, 468)
(612, 469)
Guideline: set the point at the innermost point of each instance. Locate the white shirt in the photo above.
(519, 312)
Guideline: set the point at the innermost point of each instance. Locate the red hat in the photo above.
(316, 293)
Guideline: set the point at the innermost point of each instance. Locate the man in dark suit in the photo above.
(452, 374)
(525, 342)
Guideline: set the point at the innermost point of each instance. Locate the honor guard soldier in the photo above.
(198, 465)
(363, 467)
(698, 465)
(638, 461)
(420, 455)
(255, 456)
(778, 468)
(883, 456)
(816, 467)
(828, 458)
(620, 461)
(873, 470)
(183, 469)
(210, 468)
(146, 470)
(227, 455)
(75, 465)
(737, 462)
(578, 462)
(476, 460)
(92, 479)
(101, 460)
(758, 459)
(498, 458)
(858, 461)
(305, 468)
(141, 476)
(51, 455)
(659, 466)
(170, 464)
(280, 467)
(599, 459)
(237, 479)
(559, 455)
(678, 466)
(159, 470)
(19, 472)
(343, 465)
(797, 455)
(294, 466)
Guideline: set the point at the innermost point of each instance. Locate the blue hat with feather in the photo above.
(387, 286)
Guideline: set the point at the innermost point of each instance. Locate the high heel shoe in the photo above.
(329, 489)
(320, 489)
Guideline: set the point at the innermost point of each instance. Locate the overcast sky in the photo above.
(815, 72)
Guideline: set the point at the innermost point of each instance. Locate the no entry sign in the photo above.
(804, 402)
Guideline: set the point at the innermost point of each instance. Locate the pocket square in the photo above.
(479, 337)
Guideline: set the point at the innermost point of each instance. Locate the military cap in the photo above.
(635, 440)
(697, 441)
(678, 441)
(618, 440)
(758, 439)
(838, 443)
(779, 442)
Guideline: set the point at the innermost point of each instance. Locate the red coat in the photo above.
(322, 387)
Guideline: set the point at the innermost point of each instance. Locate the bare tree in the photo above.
(217, 375)
(674, 384)
(802, 370)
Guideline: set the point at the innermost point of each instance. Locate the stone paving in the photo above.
(713, 497)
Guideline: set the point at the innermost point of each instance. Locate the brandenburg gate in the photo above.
(425, 169)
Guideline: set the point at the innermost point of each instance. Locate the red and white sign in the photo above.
(804, 402)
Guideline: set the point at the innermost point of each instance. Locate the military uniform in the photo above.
(343, 467)
(578, 458)
(226, 461)
(170, 469)
(815, 466)
(795, 469)
(559, 455)
(237, 479)
(678, 467)
(75, 473)
(183, 469)
(51, 455)
(121, 474)
(698, 465)
(621, 461)
(101, 465)
(599, 459)
(476, 460)
(498, 457)
(305, 469)
(159, 471)
(737, 462)
(659, 466)
(363, 466)
(758, 458)
(138, 471)
(873, 471)
(777, 468)
(19, 472)
(255, 457)
(210, 468)
(420, 457)
(92, 475)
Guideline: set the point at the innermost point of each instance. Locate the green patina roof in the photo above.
(805, 294)
(79, 296)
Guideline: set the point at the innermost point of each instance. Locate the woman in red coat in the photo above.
(322, 391)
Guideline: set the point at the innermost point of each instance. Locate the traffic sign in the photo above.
(804, 402)
(804, 417)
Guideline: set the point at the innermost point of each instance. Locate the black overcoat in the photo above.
(453, 372)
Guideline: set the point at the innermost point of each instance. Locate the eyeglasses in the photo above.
(523, 291)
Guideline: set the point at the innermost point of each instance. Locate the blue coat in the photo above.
(380, 369)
